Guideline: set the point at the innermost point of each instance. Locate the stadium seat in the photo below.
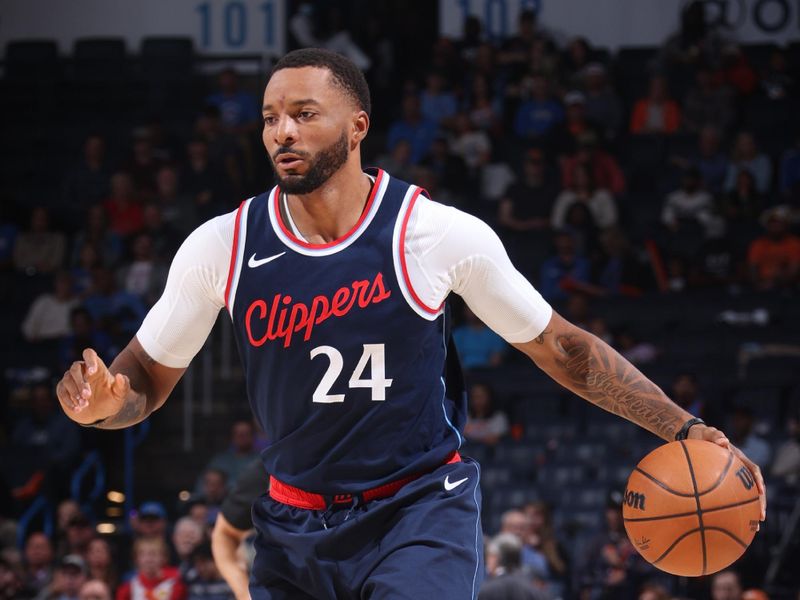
(758, 54)
(166, 58)
(99, 59)
(32, 60)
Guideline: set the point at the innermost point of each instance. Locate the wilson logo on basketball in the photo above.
(634, 499)
(283, 317)
(746, 478)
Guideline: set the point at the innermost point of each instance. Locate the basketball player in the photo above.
(336, 281)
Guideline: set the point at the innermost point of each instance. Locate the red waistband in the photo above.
(288, 494)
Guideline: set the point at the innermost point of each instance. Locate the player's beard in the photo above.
(321, 167)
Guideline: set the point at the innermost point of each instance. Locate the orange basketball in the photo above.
(691, 508)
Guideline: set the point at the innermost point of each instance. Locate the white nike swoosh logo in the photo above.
(253, 262)
(451, 486)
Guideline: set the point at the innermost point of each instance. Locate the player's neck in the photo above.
(332, 210)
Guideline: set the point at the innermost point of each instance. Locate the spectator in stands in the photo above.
(397, 160)
(486, 424)
(610, 567)
(45, 442)
(741, 207)
(449, 167)
(150, 521)
(49, 315)
(708, 103)
(515, 49)
(575, 59)
(94, 589)
(653, 591)
(144, 276)
(206, 182)
(79, 535)
(617, 270)
(39, 250)
(83, 334)
(603, 106)
(186, 536)
(153, 575)
(97, 233)
(239, 453)
(100, 562)
(656, 113)
(603, 167)
(213, 489)
(790, 174)
(786, 465)
(685, 394)
(518, 523)
(470, 144)
(204, 581)
(437, 104)
(11, 580)
(478, 346)
(86, 183)
(576, 125)
(123, 207)
(707, 158)
(726, 585)
(634, 349)
(774, 259)
(65, 510)
(777, 81)
(414, 128)
(88, 260)
(68, 578)
(223, 149)
(504, 568)
(239, 110)
(484, 108)
(688, 214)
(527, 204)
(738, 72)
(143, 165)
(197, 510)
(743, 435)
(746, 155)
(177, 208)
(117, 312)
(538, 116)
(166, 238)
(583, 191)
(567, 270)
(38, 562)
(542, 540)
(697, 42)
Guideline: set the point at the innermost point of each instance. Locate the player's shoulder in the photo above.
(429, 214)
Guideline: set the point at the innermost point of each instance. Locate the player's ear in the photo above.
(360, 127)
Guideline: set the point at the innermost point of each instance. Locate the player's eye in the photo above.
(270, 120)
(305, 114)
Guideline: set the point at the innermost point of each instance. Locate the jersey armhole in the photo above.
(236, 259)
(401, 266)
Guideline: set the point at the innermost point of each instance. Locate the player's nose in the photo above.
(286, 132)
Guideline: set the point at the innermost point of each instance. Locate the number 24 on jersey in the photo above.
(373, 355)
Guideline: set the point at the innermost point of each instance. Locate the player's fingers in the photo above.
(69, 393)
(759, 479)
(120, 386)
(78, 378)
(92, 361)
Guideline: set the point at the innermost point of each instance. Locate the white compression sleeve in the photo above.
(178, 324)
(449, 250)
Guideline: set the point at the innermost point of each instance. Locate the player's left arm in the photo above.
(586, 365)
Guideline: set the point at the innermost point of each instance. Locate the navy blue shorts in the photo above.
(425, 541)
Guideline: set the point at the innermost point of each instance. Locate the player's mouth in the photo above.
(288, 161)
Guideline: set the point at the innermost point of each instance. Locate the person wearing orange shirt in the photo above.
(656, 112)
(774, 259)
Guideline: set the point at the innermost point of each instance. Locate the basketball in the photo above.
(691, 508)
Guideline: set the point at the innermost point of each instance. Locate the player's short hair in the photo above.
(344, 72)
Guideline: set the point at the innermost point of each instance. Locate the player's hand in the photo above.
(712, 434)
(88, 392)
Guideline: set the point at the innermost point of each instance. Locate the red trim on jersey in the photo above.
(337, 241)
(402, 250)
(288, 494)
(234, 252)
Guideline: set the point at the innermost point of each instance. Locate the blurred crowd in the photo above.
(664, 171)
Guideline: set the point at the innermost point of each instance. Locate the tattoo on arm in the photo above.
(133, 411)
(598, 373)
(540, 338)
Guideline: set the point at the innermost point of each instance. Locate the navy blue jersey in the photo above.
(347, 370)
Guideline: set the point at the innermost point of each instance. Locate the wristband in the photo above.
(684, 431)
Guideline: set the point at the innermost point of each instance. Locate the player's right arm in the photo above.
(141, 377)
(225, 542)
